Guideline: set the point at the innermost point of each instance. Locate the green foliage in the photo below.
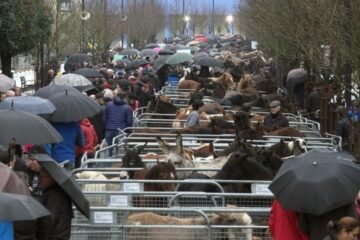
(23, 24)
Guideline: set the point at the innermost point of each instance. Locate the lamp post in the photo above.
(186, 22)
(230, 19)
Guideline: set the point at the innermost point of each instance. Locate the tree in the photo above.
(23, 25)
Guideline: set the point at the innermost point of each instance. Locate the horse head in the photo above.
(297, 146)
(269, 159)
(161, 171)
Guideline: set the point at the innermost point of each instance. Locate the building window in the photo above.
(65, 5)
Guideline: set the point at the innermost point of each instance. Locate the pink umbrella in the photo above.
(157, 49)
(202, 39)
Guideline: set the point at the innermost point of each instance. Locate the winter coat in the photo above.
(280, 121)
(284, 224)
(57, 226)
(193, 120)
(117, 114)
(343, 129)
(90, 138)
(316, 226)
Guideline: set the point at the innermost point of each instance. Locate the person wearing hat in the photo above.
(344, 128)
(275, 117)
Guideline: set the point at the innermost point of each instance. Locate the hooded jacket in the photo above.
(117, 114)
(90, 137)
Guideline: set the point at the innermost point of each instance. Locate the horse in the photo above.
(295, 147)
(286, 132)
(244, 129)
(156, 105)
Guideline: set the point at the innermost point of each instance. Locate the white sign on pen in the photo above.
(132, 187)
(103, 217)
(119, 201)
(262, 189)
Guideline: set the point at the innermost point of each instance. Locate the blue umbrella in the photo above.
(31, 104)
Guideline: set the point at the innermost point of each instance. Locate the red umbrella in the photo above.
(202, 39)
(199, 35)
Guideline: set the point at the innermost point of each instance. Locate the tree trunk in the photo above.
(6, 65)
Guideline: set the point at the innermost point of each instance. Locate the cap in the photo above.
(274, 104)
(341, 109)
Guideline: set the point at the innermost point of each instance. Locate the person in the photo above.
(6, 230)
(347, 228)
(65, 150)
(283, 224)
(91, 140)
(193, 120)
(132, 102)
(57, 226)
(117, 115)
(316, 226)
(344, 129)
(313, 104)
(275, 117)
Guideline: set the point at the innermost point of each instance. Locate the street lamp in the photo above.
(186, 20)
(230, 19)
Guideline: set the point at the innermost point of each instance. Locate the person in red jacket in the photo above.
(90, 141)
(283, 224)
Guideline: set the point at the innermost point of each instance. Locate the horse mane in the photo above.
(245, 82)
(241, 166)
(161, 171)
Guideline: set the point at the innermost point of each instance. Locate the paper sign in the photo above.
(132, 187)
(119, 201)
(103, 217)
(262, 189)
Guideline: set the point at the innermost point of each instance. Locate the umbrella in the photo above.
(152, 45)
(88, 73)
(148, 53)
(52, 89)
(77, 61)
(157, 49)
(179, 58)
(160, 62)
(66, 181)
(73, 107)
(128, 52)
(328, 180)
(209, 61)
(6, 83)
(16, 207)
(166, 52)
(202, 39)
(10, 182)
(192, 43)
(74, 80)
(139, 62)
(117, 57)
(296, 76)
(32, 104)
(26, 128)
(200, 54)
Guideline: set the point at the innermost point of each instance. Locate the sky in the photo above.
(227, 5)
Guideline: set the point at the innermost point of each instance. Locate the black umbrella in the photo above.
(16, 207)
(152, 45)
(166, 52)
(77, 61)
(52, 89)
(139, 62)
(66, 181)
(88, 73)
(317, 182)
(160, 62)
(73, 107)
(209, 61)
(128, 52)
(148, 53)
(296, 76)
(26, 128)
(74, 80)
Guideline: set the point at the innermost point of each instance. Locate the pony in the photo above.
(176, 154)
(287, 132)
(225, 79)
(131, 159)
(156, 105)
(295, 147)
(188, 84)
(244, 129)
(220, 218)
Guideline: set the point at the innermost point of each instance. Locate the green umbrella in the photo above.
(179, 58)
(117, 57)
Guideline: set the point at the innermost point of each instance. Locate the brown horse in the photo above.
(286, 132)
(225, 79)
(188, 84)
